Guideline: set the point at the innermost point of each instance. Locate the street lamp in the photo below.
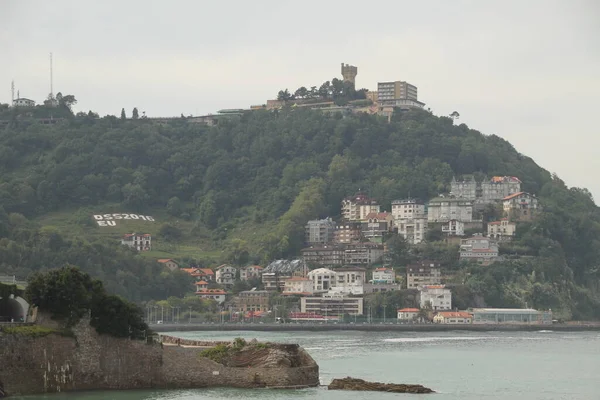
(190, 320)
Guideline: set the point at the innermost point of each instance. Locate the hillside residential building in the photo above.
(408, 314)
(480, 249)
(376, 225)
(350, 280)
(23, 102)
(138, 241)
(510, 316)
(438, 297)
(250, 272)
(453, 228)
(205, 274)
(275, 274)
(217, 295)
(488, 191)
(252, 300)
(407, 209)
(319, 231)
(324, 255)
(332, 305)
(200, 285)
(298, 286)
(322, 279)
(444, 209)
(424, 273)
(384, 275)
(398, 94)
(380, 287)
(363, 253)
(225, 275)
(520, 206)
(453, 317)
(501, 230)
(170, 264)
(412, 229)
(357, 207)
(347, 232)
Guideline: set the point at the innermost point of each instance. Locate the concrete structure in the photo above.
(444, 209)
(23, 102)
(407, 209)
(384, 275)
(138, 241)
(376, 225)
(453, 228)
(322, 279)
(347, 232)
(217, 295)
(298, 286)
(408, 314)
(363, 253)
(424, 273)
(501, 230)
(349, 73)
(250, 272)
(480, 249)
(324, 255)
(319, 231)
(487, 191)
(413, 229)
(225, 275)
(389, 92)
(510, 316)
(357, 207)
(438, 297)
(467, 188)
(520, 206)
(332, 305)
(169, 263)
(453, 317)
(252, 300)
(349, 280)
(275, 274)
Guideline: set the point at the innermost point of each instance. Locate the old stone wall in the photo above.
(90, 361)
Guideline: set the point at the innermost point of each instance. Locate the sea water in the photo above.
(457, 365)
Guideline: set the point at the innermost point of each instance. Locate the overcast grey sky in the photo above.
(528, 71)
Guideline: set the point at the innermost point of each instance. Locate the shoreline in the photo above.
(372, 327)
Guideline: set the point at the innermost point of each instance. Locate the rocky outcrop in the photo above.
(360, 384)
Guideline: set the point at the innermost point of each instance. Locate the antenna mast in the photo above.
(51, 79)
(12, 91)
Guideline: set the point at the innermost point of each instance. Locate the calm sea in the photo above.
(458, 365)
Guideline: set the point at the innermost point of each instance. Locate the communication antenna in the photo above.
(12, 91)
(51, 79)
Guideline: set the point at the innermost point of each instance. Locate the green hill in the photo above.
(250, 184)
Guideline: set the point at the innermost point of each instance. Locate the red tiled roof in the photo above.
(512, 196)
(164, 260)
(211, 291)
(409, 310)
(206, 271)
(190, 271)
(383, 269)
(454, 314)
(434, 286)
(379, 215)
(201, 283)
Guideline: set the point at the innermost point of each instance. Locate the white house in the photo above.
(350, 280)
(322, 279)
(453, 227)
(138, 241)
(217, 295)
(383, 275)
(436, 296)
(501, 230)
(251, 272)
(225, 275)
(520, 206)
(451, 317)
(408, 314)
(298, 285)
(23, 102)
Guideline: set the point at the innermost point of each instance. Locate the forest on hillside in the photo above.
(284, 168)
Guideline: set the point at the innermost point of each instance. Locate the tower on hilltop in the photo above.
(349, 72)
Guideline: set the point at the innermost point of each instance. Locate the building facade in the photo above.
(407, 209)
(250, 272)
(357, 207)
(319, 231)
(384, 275)
(225, 275)
(388, 92)
(453, 228)
(510, 316)
(520, 206)
(349, 73)
(444, 209)
(376, 225)
(217, 295)
(479, 249)
(138, 241)
(363, 253)
(487, 191)
(23, 102)
(413, 229)
(424, 273)
(252, 300)
(332, 305)
(298, 286)
(350, 280)
(501, 230)
(453, 317)
(275, 274)
(438, 297)
(170, 264)
(322, 279)
(324, 255)
(408, 314)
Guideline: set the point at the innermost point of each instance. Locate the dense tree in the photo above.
(135, 113)
(123, 116)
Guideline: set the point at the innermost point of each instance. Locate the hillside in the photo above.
(250, 184)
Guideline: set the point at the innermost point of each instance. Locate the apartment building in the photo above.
(252, 300)
(347, 232)
(423, 273)
(319, 231)
(502, 230)
(357, 207)
(384, 275)
(332, 305)
(480, 249)
(438, 297)
(444, 209)
(324, 255)
(250, 272)
(520, 206)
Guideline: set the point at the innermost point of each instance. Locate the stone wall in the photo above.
(90, 361)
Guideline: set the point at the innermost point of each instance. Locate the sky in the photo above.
(527, 71)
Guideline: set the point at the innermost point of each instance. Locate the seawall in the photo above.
(88, 361)
(373, 327)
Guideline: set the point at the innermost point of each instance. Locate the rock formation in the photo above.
(360, 384)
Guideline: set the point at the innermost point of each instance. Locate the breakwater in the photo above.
(374, 327)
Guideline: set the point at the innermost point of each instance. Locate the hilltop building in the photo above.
(398, 94)
(349, 73)
(138, 241)
(23, 102)
(487, 191)
(520, 206)
(501, 230)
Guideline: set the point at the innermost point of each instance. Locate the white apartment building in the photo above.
(413, 229)
(407, 209)
(332, 305)
(436, 296)
(520, 206)
(444, 209)
(501, 230)
(357, 207)
(480, 249)
(322, 279)
(225, 275)
(217, 295)
(23, 102)
(384, 275)
(453, 228)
